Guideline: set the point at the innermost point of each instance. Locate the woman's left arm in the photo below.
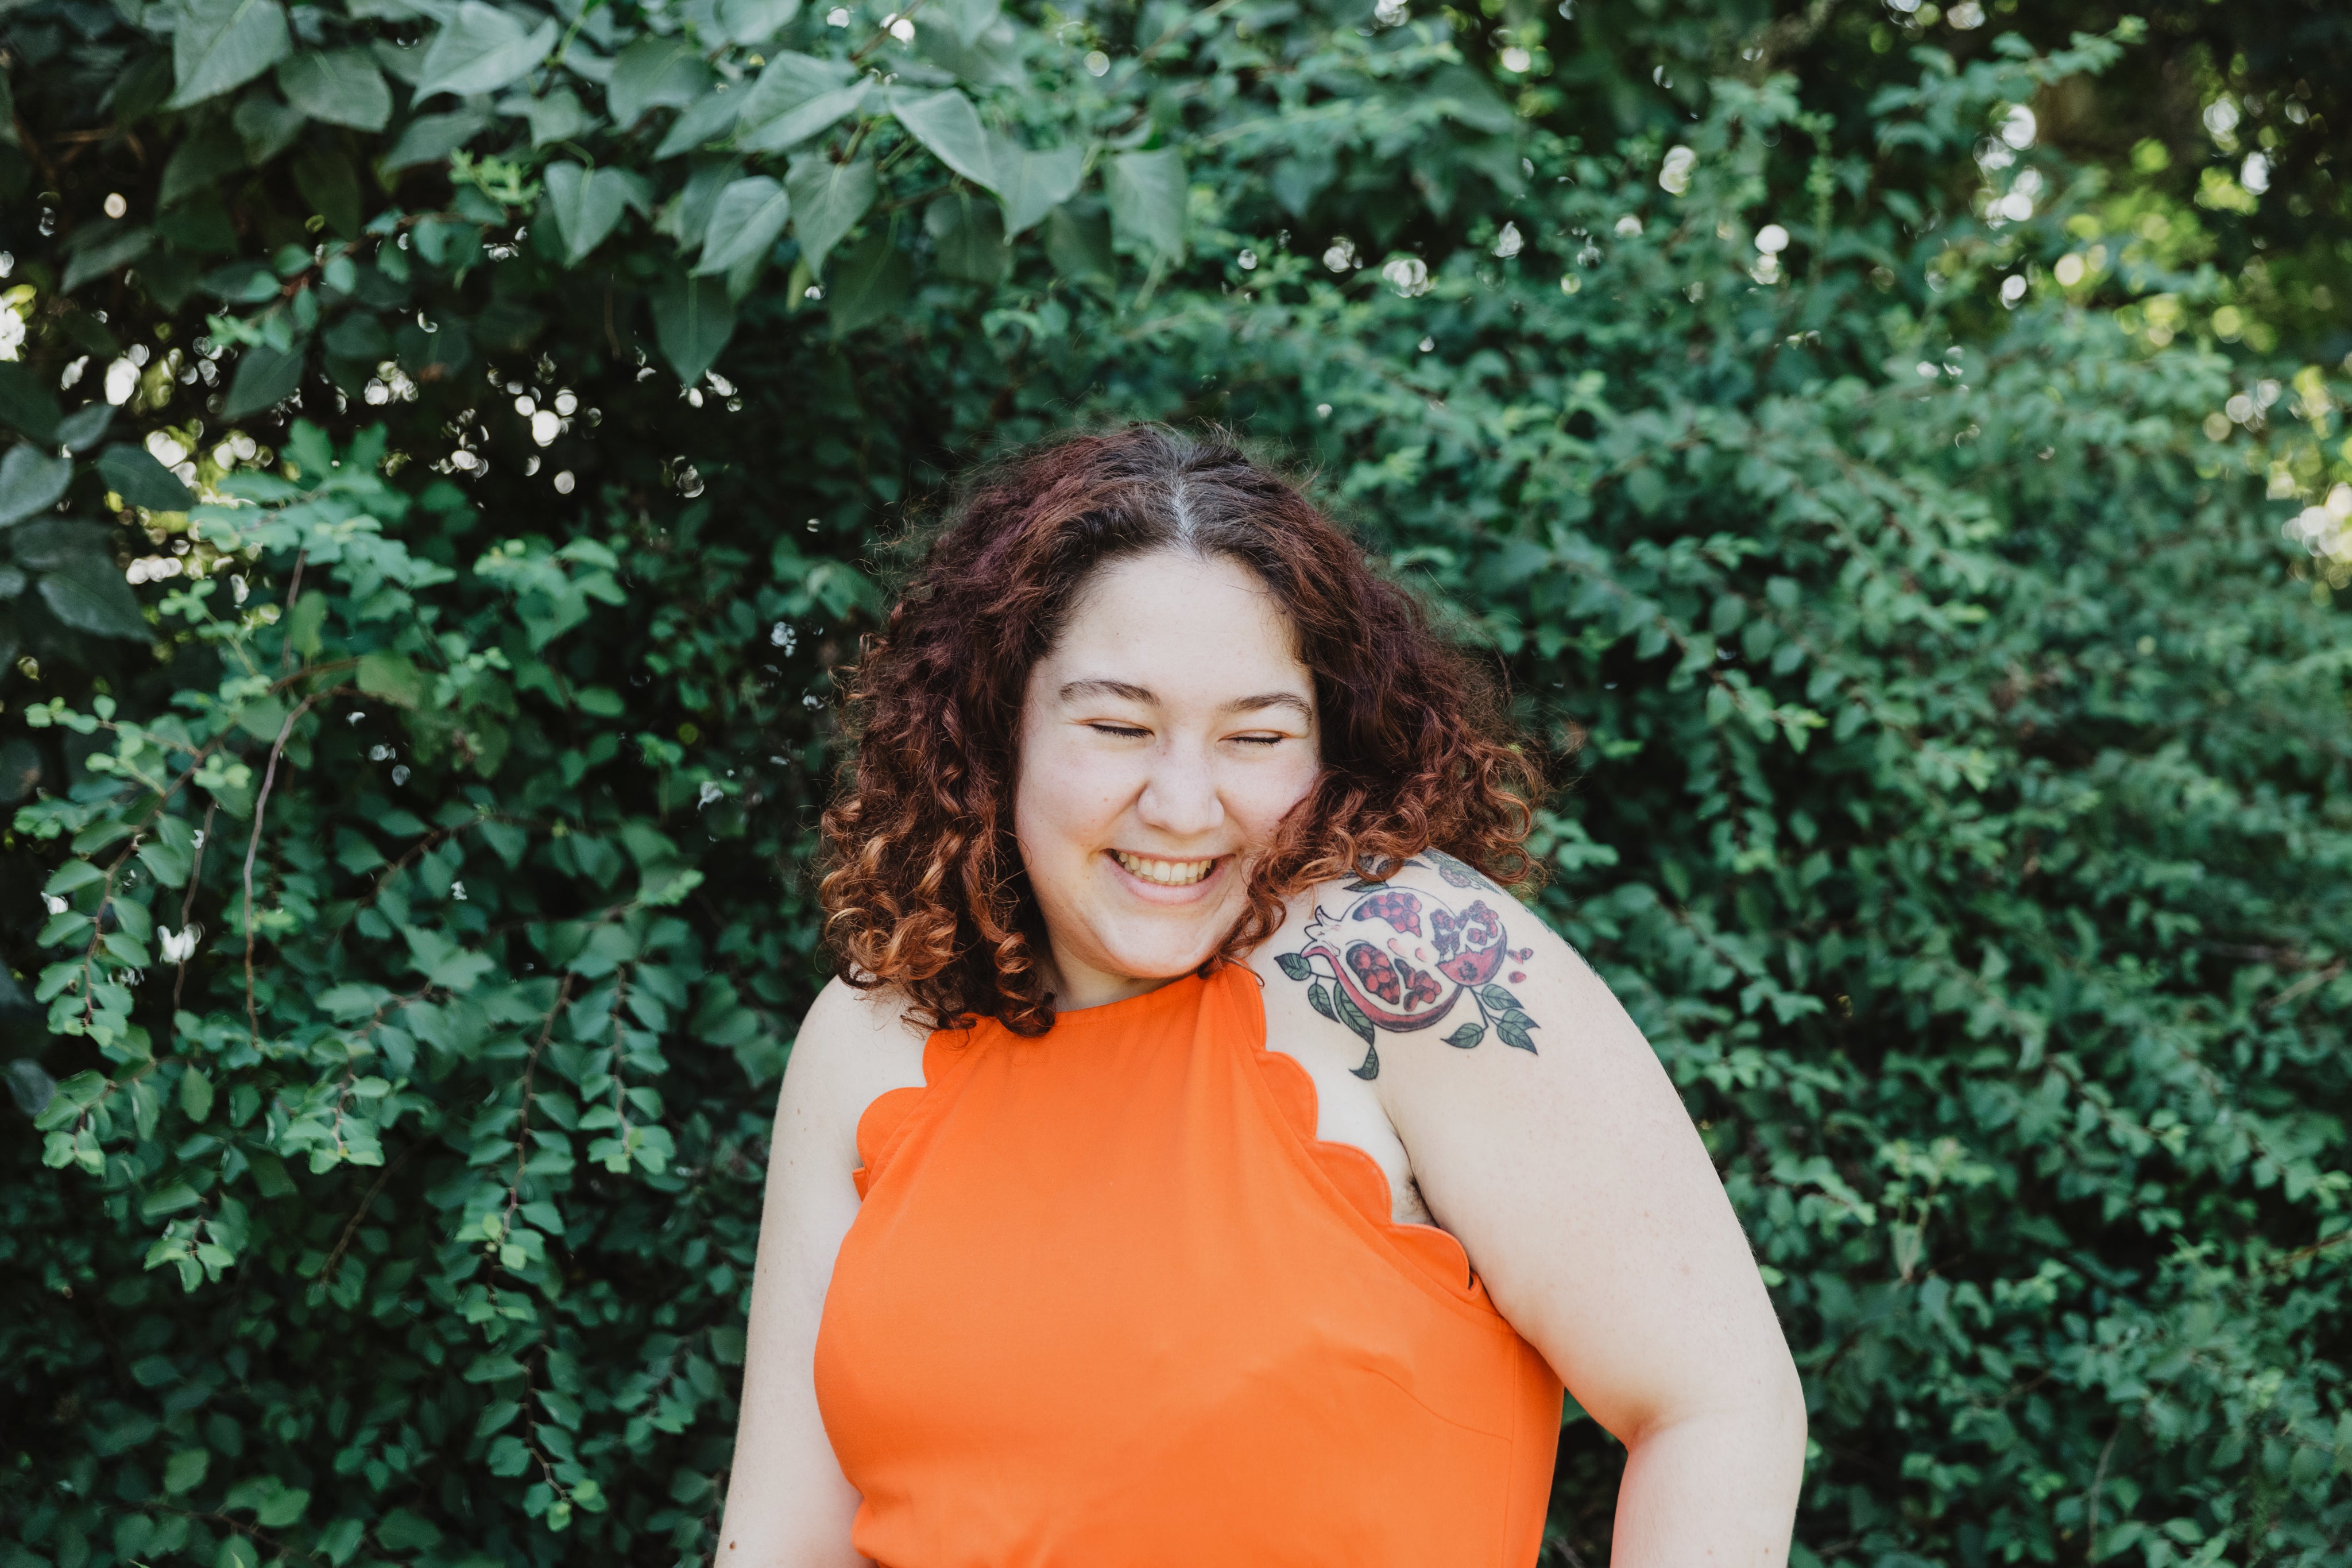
(1589, 1207)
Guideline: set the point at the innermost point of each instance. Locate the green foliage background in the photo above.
(447, 476)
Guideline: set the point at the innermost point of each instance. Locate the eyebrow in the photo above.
(1073, 690)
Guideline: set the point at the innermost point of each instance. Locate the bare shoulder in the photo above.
(853, 1046)
(1436, 953)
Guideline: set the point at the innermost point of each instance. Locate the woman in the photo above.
(1200, 1159)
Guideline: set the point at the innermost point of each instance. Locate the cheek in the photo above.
(1264, 798)
(1062, 803)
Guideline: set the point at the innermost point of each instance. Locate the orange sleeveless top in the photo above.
(1109, 1302)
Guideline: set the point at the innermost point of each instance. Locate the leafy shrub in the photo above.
(511, 407)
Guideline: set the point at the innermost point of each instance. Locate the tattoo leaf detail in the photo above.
(1401, 959)
(1459, 873)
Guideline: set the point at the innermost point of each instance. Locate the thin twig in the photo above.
(2098, 1483)
(343, 1242)
(874, 42)
(188, 903)
(2310, 982)
(293, 593)
(253, 847)
(1185, 24)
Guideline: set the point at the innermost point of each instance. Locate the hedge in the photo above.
(458, 442)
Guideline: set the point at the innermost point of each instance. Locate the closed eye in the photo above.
(1125, 732)
(1262, 739)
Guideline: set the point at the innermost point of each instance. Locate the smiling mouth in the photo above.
(1163, 872)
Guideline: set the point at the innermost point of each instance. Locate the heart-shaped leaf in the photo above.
(557, 117)
(584, 205)
(948, 126)
(481, 49)
(1034, 183)
(654, 73)
(755, 21)
(1147, 196)
(341, 87)
(707, 118)
(744, 221)
(217, 44)
(827, 199)
(797, 124)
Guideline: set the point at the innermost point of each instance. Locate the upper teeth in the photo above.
(1172, 873)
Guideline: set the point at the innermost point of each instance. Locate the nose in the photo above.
(1180, 797)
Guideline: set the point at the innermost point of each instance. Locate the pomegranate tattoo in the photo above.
(1402, 960)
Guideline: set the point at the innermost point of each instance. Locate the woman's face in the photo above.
(1162, 739)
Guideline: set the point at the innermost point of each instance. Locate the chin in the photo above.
(1163, 960)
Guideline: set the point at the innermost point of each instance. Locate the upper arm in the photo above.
(789, 1505)
(1546, 1135)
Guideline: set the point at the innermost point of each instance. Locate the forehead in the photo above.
(1180, 625)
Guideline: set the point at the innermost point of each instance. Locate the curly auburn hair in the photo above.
(923, 886)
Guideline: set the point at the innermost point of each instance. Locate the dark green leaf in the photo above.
(1318, 996)
(88, 593)
(873, 276)
(967, 236)
(1512, 1029)
(31, 481)
(265, 378)
(430, 138)
(1498, 999)
(210, 150)
(80, 430)
(265, 126)
(358, 336)
(1468, 1035)
(693, 319)
(103, 256)
(27, 404)
(1352, 1016)
(1078, 244)
(328, 181)
(1294, 966)
(133, 473)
